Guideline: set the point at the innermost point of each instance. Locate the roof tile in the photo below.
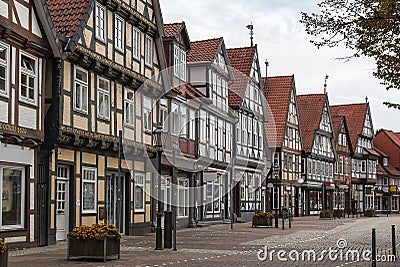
(203, 51)
(241, 60)
(67, 15)
(277, 92)
(355, 116)
(310, 110)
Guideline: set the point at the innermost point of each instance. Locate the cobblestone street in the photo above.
(218, 245)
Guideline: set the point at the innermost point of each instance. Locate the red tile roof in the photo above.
(171, 29)
(310, 111)
(67, 15)
(395, 137)
(337, 122)
(355, 117)
(387, 170)
(241, 60)
(372, 152)
(203, 51)
(277, 92)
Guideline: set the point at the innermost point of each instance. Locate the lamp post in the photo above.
(158, 135)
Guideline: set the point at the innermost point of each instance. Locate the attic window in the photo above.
(385, 161)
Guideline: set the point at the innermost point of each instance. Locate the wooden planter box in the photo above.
(93, 249)
(369, 214)
(338, 213)
(4, 259)
(326, 215)
(261, 221)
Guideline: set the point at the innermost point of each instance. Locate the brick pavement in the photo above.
(220, 246)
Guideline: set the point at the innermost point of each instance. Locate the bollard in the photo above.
(373, 248)
(276, 220)
(283, 221)
(159, 232)
(394, 253)
(168, 229)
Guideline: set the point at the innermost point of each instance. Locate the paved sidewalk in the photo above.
(218, 245)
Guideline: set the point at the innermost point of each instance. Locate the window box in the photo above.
(93, 249)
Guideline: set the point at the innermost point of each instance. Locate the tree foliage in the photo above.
(369, 28)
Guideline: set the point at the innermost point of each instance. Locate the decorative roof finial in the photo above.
(366, 99)
(251, 28)
(325, 84)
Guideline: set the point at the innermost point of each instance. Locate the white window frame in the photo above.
(149, 51)
(100, 17)
(29, 74)
(6, 65)
(23, 193)
(140, 181)
(136, 41)
(119, 24)
(89, 181)
(131, 103)
(82, 84)
(105, 92)
(192, 124)
(147, 115)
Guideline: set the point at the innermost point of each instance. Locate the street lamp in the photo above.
(159, 134)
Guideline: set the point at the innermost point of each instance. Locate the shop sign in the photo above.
(393, 188)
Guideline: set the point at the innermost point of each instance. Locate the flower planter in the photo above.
(257, 221)
(338, 213)
(93, 249)
(4, 259)
(369, 213)
(326, 215)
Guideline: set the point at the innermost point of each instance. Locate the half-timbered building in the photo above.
(286, 141)
(110, 48)
(178, 111)
(318, 154)
(364, 157)
(247, 100)
(209, 72)
(387, 187)
(26, 64)
(342, 167)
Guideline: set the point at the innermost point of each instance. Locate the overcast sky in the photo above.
(282, 40)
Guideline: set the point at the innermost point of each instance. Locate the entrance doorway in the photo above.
(114, 208)
(62, 215)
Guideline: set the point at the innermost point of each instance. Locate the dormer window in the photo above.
(385, 161)
(179, 63)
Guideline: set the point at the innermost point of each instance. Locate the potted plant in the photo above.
(369, 212)
(262, 219)
(3, 253)
(326, 214)
(99, 241)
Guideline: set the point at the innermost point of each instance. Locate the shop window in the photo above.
(13, 197)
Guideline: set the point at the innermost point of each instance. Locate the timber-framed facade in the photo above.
(112, 48)
(26, 60)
